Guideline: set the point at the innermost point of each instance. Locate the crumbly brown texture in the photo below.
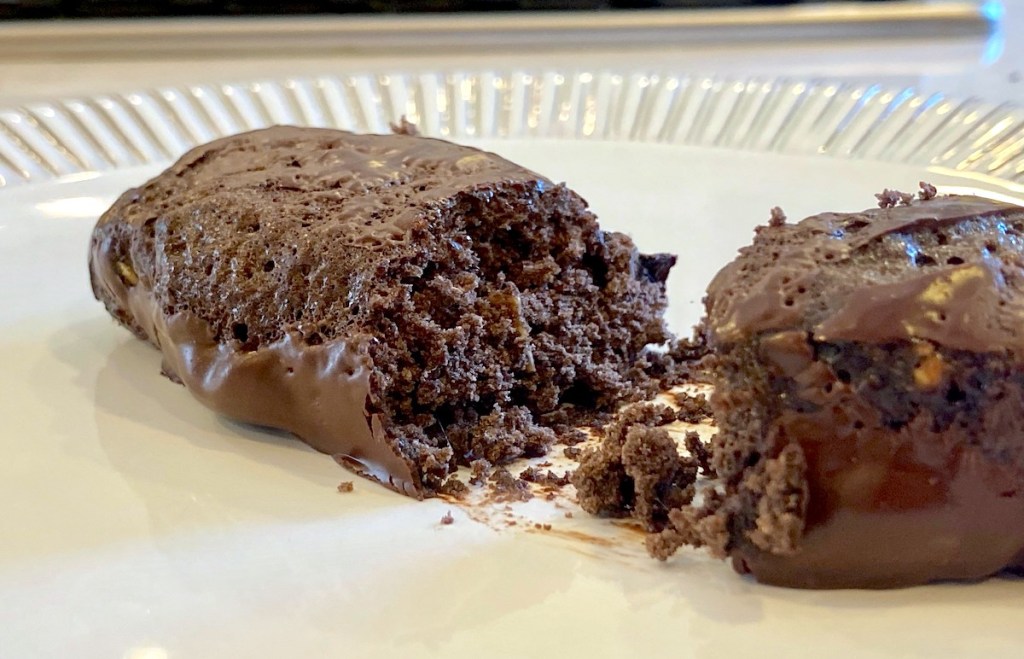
(405, 127)
(346, 486)
(442, 304)
(447, 519)
(506, 487)
(700, 452)
(480, 470)
(869, 397)
(692, 408)
(542, 477)
(637, 470)
(453, 488)
(687, 360)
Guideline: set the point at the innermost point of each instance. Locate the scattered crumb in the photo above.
(454, 488)
(687, 361)
(568, 514)
(572, 436)
(506, 487)
(572, 452)
(346, 486)
(447, 518)
(534, 475)
(889, 198)
(405, 127)
(481, 469)
(698, 449)
(637, 470)
(692, 409)
(777, 217)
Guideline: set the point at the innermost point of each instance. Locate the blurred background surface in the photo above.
(65, 48)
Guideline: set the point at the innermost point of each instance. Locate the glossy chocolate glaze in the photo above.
(890, 504)
(822, 249)
(319, 392)
(889, 507)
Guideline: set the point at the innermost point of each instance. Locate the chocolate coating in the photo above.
(870, 261)
(885, 347)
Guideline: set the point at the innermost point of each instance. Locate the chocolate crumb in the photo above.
(530, 474)
(692, 409)
(405, 127)
(927, 192)
(572, 436)
(781, 491)
(888, 198)
(506, 487)
(549, 478)
(481, 469)
(777, 217)
(637, 470)
(687, 361)
(700, 452)
(568, 514)
(346, 486)
(572, 452)
(704, 526)
(447, 518)
(547, 527)
(453, 487)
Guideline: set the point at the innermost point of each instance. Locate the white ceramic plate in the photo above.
(136, 523)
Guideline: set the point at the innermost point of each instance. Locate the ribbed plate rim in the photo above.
(77, 137)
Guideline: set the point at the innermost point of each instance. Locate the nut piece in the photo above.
(930, 370)
(126, 273)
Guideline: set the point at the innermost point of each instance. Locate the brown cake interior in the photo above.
(522, 310)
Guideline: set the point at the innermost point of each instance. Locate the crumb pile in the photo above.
(405, 304)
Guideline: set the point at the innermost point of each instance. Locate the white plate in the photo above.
(136, 523)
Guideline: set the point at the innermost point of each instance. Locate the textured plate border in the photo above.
(49, 140)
